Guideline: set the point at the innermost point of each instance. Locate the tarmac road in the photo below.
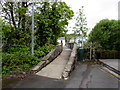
(92, 76)
(84, 76)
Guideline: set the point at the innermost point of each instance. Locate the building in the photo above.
(76, 40)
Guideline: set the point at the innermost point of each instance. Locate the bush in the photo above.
(18, 48)
(13, 61)
(20, 57)
(42, 51)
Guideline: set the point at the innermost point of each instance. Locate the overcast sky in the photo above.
(95, 10)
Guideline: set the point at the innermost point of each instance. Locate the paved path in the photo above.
(112, 62)
(56, 67)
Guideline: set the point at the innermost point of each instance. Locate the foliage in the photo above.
(15, 14)
(80, 25)
(70, 36)
(42, 51)
(12, 37)
(13, 61)
(51, 20)
(22, 59)
(106, 33)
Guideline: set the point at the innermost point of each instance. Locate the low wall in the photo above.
(48, 58)
(71, 63)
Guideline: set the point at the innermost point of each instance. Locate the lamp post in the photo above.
(32, 29)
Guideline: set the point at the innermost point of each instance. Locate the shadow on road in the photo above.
(35, 81)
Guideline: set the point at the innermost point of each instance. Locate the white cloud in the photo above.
(95, 10)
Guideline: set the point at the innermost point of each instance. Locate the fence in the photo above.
(106, 54)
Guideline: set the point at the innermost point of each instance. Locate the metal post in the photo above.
(90, 51)
(32, 29)
(79, 40)
(82, 40)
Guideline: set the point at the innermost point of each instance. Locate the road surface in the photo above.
(91, 76)
(84, 76)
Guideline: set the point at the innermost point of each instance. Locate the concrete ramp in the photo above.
(56, 67)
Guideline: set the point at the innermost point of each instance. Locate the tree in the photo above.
(15, 13)
(80, 24)
(17, 23)
(106, 33)
(52, 19)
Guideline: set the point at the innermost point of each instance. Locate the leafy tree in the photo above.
(106, 33)
(17, 23)
(51, 20)
(61, 13)
(43, 30)
(80, 24)
(15, 13)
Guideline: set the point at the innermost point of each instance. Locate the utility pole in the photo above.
(32, 29)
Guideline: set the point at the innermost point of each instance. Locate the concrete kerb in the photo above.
(48, 58)
(70, 64)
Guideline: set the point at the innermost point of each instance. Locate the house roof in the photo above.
(75, 38)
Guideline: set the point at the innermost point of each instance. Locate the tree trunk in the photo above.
(12, 13)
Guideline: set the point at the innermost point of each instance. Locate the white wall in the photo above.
(63, 41)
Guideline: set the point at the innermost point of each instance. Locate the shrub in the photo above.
(18, 48)
(20, 57)
(13, 61)
(42, 51)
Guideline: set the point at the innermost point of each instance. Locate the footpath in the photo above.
(55, 68)
(49, 76)
(114, 63)
(112, 66)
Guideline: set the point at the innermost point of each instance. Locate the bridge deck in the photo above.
(55, 68)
